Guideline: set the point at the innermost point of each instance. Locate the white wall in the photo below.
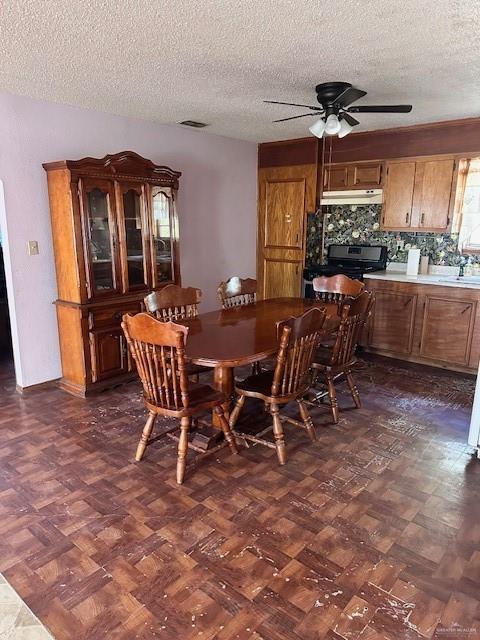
(216, 203)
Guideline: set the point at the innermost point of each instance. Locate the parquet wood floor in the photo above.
(371, 533)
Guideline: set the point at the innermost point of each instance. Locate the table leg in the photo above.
(208, 436)
(223, 381)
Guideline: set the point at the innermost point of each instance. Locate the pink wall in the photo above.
(217, 208)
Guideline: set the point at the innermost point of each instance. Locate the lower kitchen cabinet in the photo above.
(426, 323)
(393, 321)
(447, 329)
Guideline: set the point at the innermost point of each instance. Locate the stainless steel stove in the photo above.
(354, 261)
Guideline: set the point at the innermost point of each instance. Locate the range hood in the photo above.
(355, 196)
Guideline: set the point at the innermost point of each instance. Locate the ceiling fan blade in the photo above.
(293, 104)
(386, 108)
(304, 115)
(350, 119)
(348, 96)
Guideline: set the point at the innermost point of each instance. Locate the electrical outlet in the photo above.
(400, 245)
(33, 248)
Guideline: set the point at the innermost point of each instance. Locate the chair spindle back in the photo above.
(354, 314)
(299, 338)
(158, 349)
(336, 288)
(237, 292)
(174, 303)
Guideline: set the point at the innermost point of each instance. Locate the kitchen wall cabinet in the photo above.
(424, 323)
(115, 236)
(286, 194)
(356, 175)
(419, 194)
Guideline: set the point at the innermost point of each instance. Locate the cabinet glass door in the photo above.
(162, 235)
(133, 237)
(101, 238)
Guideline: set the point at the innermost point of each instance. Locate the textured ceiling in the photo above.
(216, 60)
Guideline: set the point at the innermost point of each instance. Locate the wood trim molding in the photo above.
(48, 384)
(458, 137)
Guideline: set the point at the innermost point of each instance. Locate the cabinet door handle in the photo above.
(466, 308)
(407, 302)
(406, 217)
(422, 219)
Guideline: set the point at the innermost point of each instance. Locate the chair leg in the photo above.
(278, 434)
(236, 410)
(226, 429)
(353, 389)
(307, 420)
(182, 449)
(332, 394)
(147, 430)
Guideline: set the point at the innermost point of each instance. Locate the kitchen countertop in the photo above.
(467, 282)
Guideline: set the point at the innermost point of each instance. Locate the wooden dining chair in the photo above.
(237, 292)
(174, 303)
(287, 382)
(336, 288)
(158, 349)
(330, 363)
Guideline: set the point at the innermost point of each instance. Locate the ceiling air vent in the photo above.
(194, 123)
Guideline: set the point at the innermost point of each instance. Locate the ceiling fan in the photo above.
(335, 98)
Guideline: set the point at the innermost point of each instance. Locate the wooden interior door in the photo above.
(284, 211)
(285, 195)
(392, 322)
(281, 278)
(447, 329)
(398, 195)
(434, 186)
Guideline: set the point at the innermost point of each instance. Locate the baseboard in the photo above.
(36, 387)
(437, 364)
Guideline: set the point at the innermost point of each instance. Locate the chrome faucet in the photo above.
(461, 271)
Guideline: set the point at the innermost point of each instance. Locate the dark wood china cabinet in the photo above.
(115, 236)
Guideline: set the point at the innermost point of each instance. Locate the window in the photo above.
(469, 208)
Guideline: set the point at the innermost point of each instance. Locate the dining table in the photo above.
(235, 337)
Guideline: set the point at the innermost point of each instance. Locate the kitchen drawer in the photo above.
(103, 317)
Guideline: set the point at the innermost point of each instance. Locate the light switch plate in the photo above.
(33, 248)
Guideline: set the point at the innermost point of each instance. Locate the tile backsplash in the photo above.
(360, 224)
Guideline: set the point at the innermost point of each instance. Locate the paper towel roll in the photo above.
(424, 265)
(413, 262)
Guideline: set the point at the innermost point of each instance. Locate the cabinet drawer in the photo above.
(111, 316)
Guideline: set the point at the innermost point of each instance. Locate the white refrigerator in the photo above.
(474, 433)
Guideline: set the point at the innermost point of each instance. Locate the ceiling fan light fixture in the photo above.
(332, 126)
(345, 129)
(318, 128)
